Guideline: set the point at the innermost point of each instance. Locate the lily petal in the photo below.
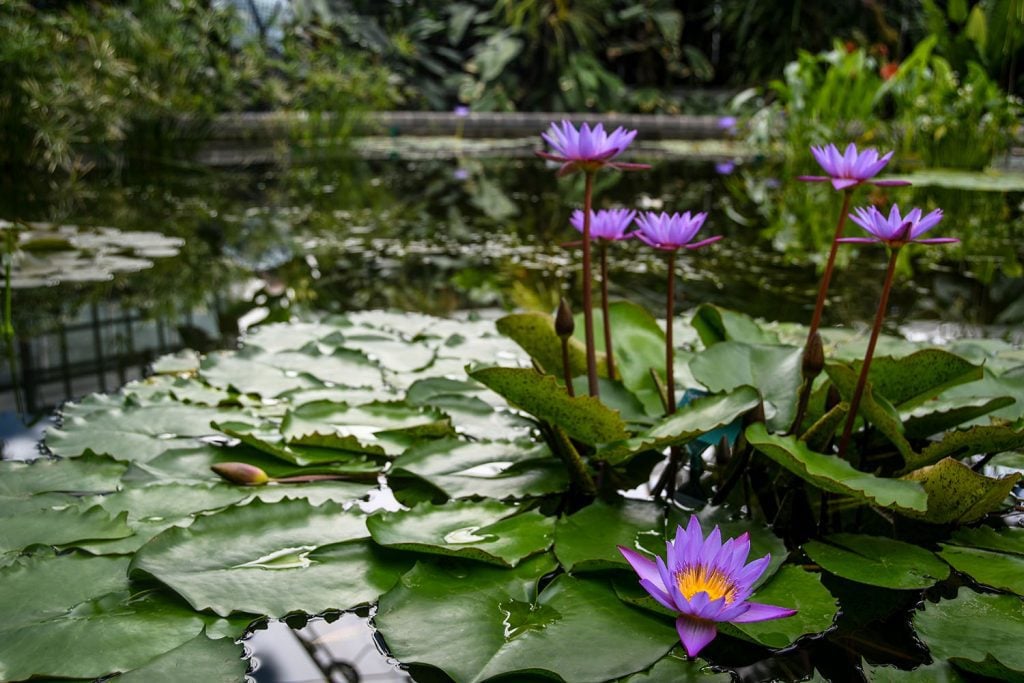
(762, 612)
(645, 568)
(695, 634)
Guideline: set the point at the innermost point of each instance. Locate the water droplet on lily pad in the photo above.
(285, 558)
(467, 535)
(520, 617)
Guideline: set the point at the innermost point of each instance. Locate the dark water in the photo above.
(265, 244)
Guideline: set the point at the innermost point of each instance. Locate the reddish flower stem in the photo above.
(588, 311)
(858, 391)
(819, 305)
(604, 311)
(670, 380)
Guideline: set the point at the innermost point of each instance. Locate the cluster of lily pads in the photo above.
(457, 476)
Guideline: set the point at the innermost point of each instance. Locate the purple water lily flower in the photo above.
(850, 168)
(461, 111)
(669, 232)
(705, 581)
(895, 230)
(587, 149)
(606, 224)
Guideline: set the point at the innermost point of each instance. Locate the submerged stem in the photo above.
(588, 312)
(858, 391)
(604, 311)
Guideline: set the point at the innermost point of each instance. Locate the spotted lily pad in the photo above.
(488, 531)
(958, 494)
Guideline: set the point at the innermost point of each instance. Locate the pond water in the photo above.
(439, 236)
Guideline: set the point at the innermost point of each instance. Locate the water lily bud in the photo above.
(814, 357)
(241, 473)
(564, 324)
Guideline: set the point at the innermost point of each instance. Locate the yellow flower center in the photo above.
(699, 579)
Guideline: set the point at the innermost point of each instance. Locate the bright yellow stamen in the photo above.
(699, 579)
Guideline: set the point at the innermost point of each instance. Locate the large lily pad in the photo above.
(877, 561)
(990, 568)
(117, 632)
(996, 628)
(1004, 540)
(583, 417)
(490, 469)
(909, 381)
(675, 668)
(588, 539)
(488, 531)
(958, 494)
(200, 659)
(535, 332)
(497, 624)
(773, 370)
(254, 371)
(270, 559)
(89, 474)
(979, 440)
(689, 422)
(835, 475)
(64, 527)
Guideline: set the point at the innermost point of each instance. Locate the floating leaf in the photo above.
(936, 672)
(678, 669)
(947, 412)
(993, 386)
(372, 428)
(587, 539)
(61, 527)
(270, 559)
(488, 531)
(909, 381)
(797, 589)
(490, 469)
(575, 629)
(254, 371)
(958, 494)
(715, 324)
(998, 570)
(689, 422)
(835, 475)
(117, 632)
(877, 561)
(773, 370)
(1004, 540)
(40, 587)
(994, 624)
(584, 418)
(88, 474)
(200, 659)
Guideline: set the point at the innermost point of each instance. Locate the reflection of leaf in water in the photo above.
(49, 254)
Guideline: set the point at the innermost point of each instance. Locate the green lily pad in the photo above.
(998, 570)
(489, 469)
(689, 422)
(1004, 540)
(958, 494)
(88, 474)
(877, 561)
(773, 370)
(587, 539)
(936, 672)
(584, 418)
(575, 629)
(835, 475)
(676, 668)
(873, 407)
(270, 559)
(200, 659)
(254, 371)
(979, 440)
(371, 428)
(993, 386)
(487, 531)
(715, 325)
(535, 332)
(946, 412)
(41, 587)
(267, 437)
(797, 589)
(117, 632)
(981, 633)
(909, 381)
(61, 527)
(179, 363)
(134, 433)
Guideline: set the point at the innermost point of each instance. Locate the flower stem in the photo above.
(588, 311)
(670, 380)
(604, 311)
(819, 305)
(858, 391)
